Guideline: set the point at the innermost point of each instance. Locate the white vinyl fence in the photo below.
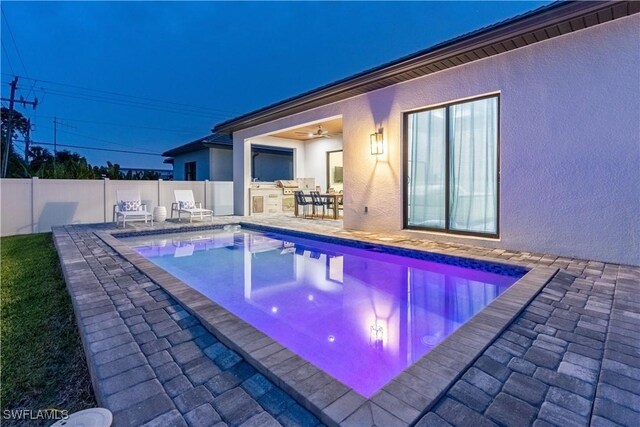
(35, 205)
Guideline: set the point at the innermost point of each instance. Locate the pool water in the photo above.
(361, 316)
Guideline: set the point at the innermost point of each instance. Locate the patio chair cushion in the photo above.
(130, 205)
(187, 205)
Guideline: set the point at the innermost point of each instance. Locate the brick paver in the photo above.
(572, 357)
(152, 362)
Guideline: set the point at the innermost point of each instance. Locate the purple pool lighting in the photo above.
(361, 316)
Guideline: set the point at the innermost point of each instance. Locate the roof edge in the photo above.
(554, 14)
(219, 140)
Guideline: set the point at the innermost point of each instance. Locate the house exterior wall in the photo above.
(201, 157)
(220, 164)
(569, 144)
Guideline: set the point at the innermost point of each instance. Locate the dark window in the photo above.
(452, 167)
(190, 171)
(271, 163)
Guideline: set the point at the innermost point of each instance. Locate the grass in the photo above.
(42, 362)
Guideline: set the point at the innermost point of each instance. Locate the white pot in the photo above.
(159, 214)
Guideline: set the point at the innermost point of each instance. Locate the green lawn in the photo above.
(41, 357)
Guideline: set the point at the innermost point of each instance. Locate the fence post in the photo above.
(34, 201)
(206, 184)
(105, 198)
(160, 192)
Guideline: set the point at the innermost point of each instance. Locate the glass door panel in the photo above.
(427, 168)
(473, 145)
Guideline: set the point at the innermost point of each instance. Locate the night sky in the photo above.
(149, 76)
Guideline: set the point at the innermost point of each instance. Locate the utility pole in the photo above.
(55, 144)
(27, 141)
(57, 123)
(9, 143)
(7, 148)
(55, 139)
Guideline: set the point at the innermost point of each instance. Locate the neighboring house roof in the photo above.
(541, 24)
(217, 140)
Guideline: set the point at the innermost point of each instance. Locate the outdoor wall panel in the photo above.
(63, 201)
(220, 197)
(15, 212)
(35, 205)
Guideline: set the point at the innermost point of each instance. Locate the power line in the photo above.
(14, 43)
(95, 139)
(124, 103)
(157, 101)
(121, 125)
(93, 148)
(33, 85)
(6, 54)
(81, 135)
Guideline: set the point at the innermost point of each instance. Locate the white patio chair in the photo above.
(184, 251)
(129, 207)
(185, 203)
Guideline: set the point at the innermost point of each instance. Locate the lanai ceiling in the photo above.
(332, 127)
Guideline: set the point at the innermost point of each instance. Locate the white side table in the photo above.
(98, 417)
(159, 214)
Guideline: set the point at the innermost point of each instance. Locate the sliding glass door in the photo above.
(452, 167)
(427, 168)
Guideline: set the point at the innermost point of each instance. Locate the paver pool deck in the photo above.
(571, 357)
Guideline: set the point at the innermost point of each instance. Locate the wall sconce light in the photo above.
(377, 142)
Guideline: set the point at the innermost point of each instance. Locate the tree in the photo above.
(19, 126)
(111, 171)
(151, 175)
(40, 159)
(67, 165)
(72, 166)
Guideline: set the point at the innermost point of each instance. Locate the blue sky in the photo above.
(185, 66)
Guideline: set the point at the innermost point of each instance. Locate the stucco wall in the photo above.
(569, 144)
(201, 157)
(220, 164)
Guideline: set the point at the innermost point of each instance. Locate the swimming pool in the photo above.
(362, 316)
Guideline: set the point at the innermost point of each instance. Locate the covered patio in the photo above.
(282, 169)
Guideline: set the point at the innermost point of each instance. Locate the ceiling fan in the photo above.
(318, 133)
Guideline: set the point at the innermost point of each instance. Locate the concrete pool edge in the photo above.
(402, 401)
